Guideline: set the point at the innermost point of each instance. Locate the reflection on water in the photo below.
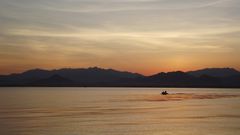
(183, 96)
(119, 111)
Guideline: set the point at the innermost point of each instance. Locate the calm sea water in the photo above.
(119, 111)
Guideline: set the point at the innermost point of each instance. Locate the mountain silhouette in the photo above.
(55, 80)
(215, 72)
(99, 77)
(79, 77)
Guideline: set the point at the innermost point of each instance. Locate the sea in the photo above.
(119, 111)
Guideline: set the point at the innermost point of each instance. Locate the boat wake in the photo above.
(183, 96)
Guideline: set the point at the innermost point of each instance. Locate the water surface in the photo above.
(119, 111)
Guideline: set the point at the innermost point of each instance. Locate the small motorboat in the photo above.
(164, 93)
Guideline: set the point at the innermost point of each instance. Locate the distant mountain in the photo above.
(83, 76)
(95, 74)
(167, 78)
(177, 79)
(215, 72)
(180, 79)
(99, 77)
(55, 80)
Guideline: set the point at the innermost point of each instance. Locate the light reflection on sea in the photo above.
(119, 111)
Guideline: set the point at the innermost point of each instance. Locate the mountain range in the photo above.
(99, 77)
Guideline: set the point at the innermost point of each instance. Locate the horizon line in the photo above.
(105, 68)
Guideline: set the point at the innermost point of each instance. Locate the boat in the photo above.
(164, 93)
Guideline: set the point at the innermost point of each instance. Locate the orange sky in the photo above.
(146, 36)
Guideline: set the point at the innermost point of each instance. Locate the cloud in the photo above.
(132, 5)
(97, 31)
(98, 6)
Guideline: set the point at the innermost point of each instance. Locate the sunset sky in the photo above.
(144, 36)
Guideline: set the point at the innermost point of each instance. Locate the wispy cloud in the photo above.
(132, 5)
(94, 32)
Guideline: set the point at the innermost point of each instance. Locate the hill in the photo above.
(99, 77)
(215, 72)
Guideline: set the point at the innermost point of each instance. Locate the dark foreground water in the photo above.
(119, 111)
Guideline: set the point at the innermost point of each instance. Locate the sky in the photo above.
(143, 36)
